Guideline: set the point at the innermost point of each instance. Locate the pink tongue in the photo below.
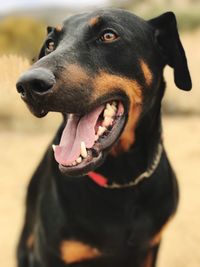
(75, 132)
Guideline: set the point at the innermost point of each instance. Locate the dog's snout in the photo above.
(36, 81)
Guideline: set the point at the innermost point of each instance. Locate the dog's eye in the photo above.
(50, 46)
(108, 37)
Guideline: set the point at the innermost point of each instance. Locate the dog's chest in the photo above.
(96, 231)
(89, 223)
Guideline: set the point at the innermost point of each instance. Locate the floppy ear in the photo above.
(42, 50)
(167, 38)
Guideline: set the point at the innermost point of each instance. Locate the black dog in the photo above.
(102, 198)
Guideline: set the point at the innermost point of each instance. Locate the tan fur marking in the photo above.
(93, 21)
(30, 241)
(74, 75)
(128, 136)
(59, 28)
(149, 260)
(157, 238)
(75, 251)
(146, 72)
(105, 83)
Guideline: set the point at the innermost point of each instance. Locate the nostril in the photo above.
(36, 81)
(41, 86)
(21, 89)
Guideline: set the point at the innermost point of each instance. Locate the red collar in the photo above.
(98, 178)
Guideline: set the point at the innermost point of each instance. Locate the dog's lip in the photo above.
(41, 113)
(99, 102)
(36, 109)
(83, 168)
(100, 148)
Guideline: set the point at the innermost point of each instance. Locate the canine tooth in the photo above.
(79, 159)
(107, 121)
(101, 130)
(83, 150)
(53, 147)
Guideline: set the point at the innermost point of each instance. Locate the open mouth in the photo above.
(85, 140)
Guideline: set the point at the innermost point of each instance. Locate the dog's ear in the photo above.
(167, 38)
(49, 29)
(42, 50)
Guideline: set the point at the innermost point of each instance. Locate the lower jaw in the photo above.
(96, 155)
(84, 167)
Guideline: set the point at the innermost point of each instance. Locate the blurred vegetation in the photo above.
(187, 11)
(22, 36)
(187, 20)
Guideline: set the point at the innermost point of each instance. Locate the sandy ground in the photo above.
(21, 151)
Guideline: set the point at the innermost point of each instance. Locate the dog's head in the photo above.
(102, 70)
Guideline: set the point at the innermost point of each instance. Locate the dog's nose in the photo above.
(36, 81)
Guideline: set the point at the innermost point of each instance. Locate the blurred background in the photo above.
(23, 138)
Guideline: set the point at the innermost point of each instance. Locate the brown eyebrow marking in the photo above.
(73, 251)
(93, 21)
(146, 72)
(59, 28)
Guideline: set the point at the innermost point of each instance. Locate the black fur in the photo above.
(119, 222)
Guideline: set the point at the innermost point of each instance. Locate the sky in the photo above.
(9, 5)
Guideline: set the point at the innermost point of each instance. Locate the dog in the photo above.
(105, 190)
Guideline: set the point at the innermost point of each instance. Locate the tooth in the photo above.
(101, 130)
(114, 107)
(74, 163)
(108, 106)
(107, 121)
(108, 112)
(79, 159)
(54, 147)
(96, 137)
(111, 107)
(114, 103)
(83, 150)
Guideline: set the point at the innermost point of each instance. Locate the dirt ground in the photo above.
(21, 151)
